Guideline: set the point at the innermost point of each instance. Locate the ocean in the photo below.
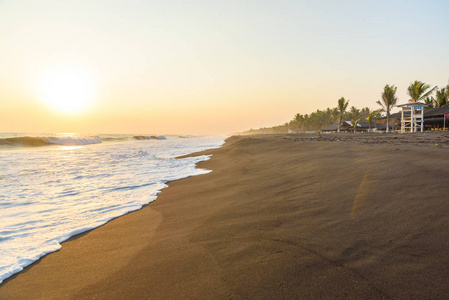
(54, 186)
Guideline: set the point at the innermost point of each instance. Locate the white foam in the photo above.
(49, 195)
(70, 141)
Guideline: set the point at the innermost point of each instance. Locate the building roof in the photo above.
(396, 117)
(364, 124)
(410, 104)
(331, 127)
(435, 112)
(346, 125)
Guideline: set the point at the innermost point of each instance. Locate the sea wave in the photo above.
(46, 141)
(150, 137)
(19, 140)
(110, 138)
(54, 194)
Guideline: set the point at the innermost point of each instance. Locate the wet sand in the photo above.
(281, 216)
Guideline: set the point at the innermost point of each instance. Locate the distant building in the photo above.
(347, 126)
(434, 118)
(412, 116)
(395, 122)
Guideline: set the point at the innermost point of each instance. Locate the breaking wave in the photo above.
(149, 137)
(45, 141)
(13, 140)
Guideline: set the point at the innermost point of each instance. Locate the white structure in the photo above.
(412, 117)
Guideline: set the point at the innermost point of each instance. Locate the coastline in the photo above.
(57, 192)
(280, 216)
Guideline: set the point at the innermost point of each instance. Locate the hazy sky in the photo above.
(209, 67)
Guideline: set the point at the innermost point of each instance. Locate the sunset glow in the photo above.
(208, 67)
(66, 91)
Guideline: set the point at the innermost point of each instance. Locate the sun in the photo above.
(66, 90)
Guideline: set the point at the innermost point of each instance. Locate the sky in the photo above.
(208, 67)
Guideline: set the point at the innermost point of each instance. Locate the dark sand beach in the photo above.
(280, 217)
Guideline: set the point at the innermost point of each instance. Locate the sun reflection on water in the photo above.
(65, 148)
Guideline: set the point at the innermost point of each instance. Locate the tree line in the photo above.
(320, 119)
(417, 90)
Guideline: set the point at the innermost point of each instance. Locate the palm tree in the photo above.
(342, 105)
(418, 91)
(365, 112)
(355, 116)
(447, 90)
(430, 101)
(371, 117)
(441, 98)
(389, 100)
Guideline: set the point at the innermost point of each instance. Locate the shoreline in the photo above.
(283, 215)
(121, 178)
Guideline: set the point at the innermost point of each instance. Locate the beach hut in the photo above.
(437, 118)
(330, 128)
(412, 116)
(365, 126)
(345, 126)
(434, 119)
(395, 122)
(360, 126)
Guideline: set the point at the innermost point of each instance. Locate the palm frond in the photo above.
(428, 93)
(381, 104)
(418, 90)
